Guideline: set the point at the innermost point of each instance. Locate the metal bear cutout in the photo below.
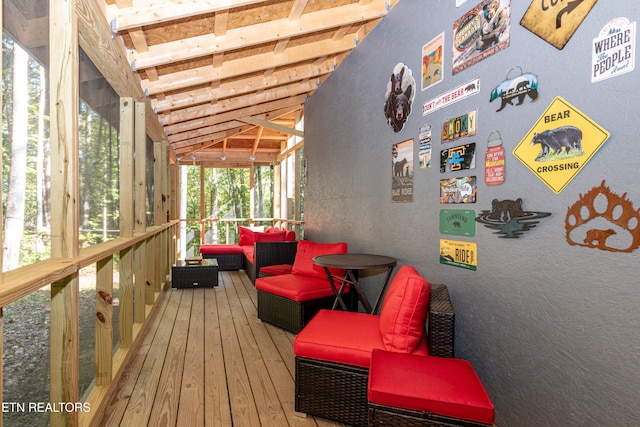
(509, 218)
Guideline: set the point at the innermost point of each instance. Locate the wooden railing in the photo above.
(144, 264)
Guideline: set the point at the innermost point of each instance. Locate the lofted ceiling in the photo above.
(228, 78)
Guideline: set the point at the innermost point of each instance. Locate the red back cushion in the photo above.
(303, 262)
(404, 310)
(271, 236)
(290, 235)
(246, 234)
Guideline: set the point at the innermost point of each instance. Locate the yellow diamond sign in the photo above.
(560, 144)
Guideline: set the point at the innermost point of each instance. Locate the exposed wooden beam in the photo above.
(150, 12)
(255, 63)
(275, 126)
(253, 35)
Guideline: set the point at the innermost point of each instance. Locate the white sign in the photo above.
(614, 50)
(471, 87)
(460, 2)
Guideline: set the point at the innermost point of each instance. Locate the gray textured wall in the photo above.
(552, 329)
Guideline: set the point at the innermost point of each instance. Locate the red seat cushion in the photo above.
(342, 337)
(249, 251)
(295, 287)
(213, 249)
(448, 387)
(303, 262)
(404, 311)
(276, 270)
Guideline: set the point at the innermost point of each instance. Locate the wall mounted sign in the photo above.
(614, 50)
(460, 2)
(480, 33)
(494, 160)
(401, 90)
(461, 92)
(458, 158)
(424, 149)
(509, 218)
(458, 222)
(432, 64)
(560, 144)
(520, 86)
(603, 220)
(459, 127)
(555, 21)
(459, 254)
(402, 172)
(458, 190)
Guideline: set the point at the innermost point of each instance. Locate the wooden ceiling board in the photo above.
(206, 65)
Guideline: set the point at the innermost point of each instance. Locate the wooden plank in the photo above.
(104, 321)
(241, 398)
(270, 410)
(114, 408)
(217, 411)
(142, 396)
(125, 299)
(127, 130)
(140, 284)
(191, 411)
(167, 397)
(140, 169)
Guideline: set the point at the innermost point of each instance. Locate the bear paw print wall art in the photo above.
(509, 218)
(401, 89)
(603, 220)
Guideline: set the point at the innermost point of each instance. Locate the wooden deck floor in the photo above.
(206, 360)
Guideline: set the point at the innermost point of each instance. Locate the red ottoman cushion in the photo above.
(448, 387)
(276, 270)
(220, 249)
(295, 287)
(344, 337)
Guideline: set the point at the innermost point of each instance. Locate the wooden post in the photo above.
(140, 251)
(64, 87)
(104, 322)
(127, 220)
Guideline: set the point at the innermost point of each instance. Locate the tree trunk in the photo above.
(14, 218)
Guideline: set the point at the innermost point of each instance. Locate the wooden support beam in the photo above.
(274, 126)
(104, 321)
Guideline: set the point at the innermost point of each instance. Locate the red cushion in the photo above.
(275, 270)
(295, 287)
(303, 262)
(246, 234)
(273, 236)
(345, 337)
(249, 253)
(404, 310)
(448, 387)
(290, 235)
(214, 249)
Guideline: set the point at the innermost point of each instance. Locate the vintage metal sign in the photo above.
(560, 144)
(458, 158)
(494, 160)
(460, 127)
(520, 86)
(459, 254)
(402, 171)
(614, 50)
(480, 33)
(461, 92)
(458, 222)
(432, 64)
(424, 148)
(458, 190)
(555, 21)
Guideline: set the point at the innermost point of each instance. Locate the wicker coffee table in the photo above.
(203, 274)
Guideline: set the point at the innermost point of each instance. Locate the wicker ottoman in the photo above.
(204, 275)
(410, 390)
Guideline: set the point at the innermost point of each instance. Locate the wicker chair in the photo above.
(338, 391)
(269, 253)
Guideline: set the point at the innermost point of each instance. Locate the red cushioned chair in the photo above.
(289, 301)
(333, 351)
(411, 390)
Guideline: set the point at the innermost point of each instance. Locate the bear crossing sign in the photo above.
(560, 144)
